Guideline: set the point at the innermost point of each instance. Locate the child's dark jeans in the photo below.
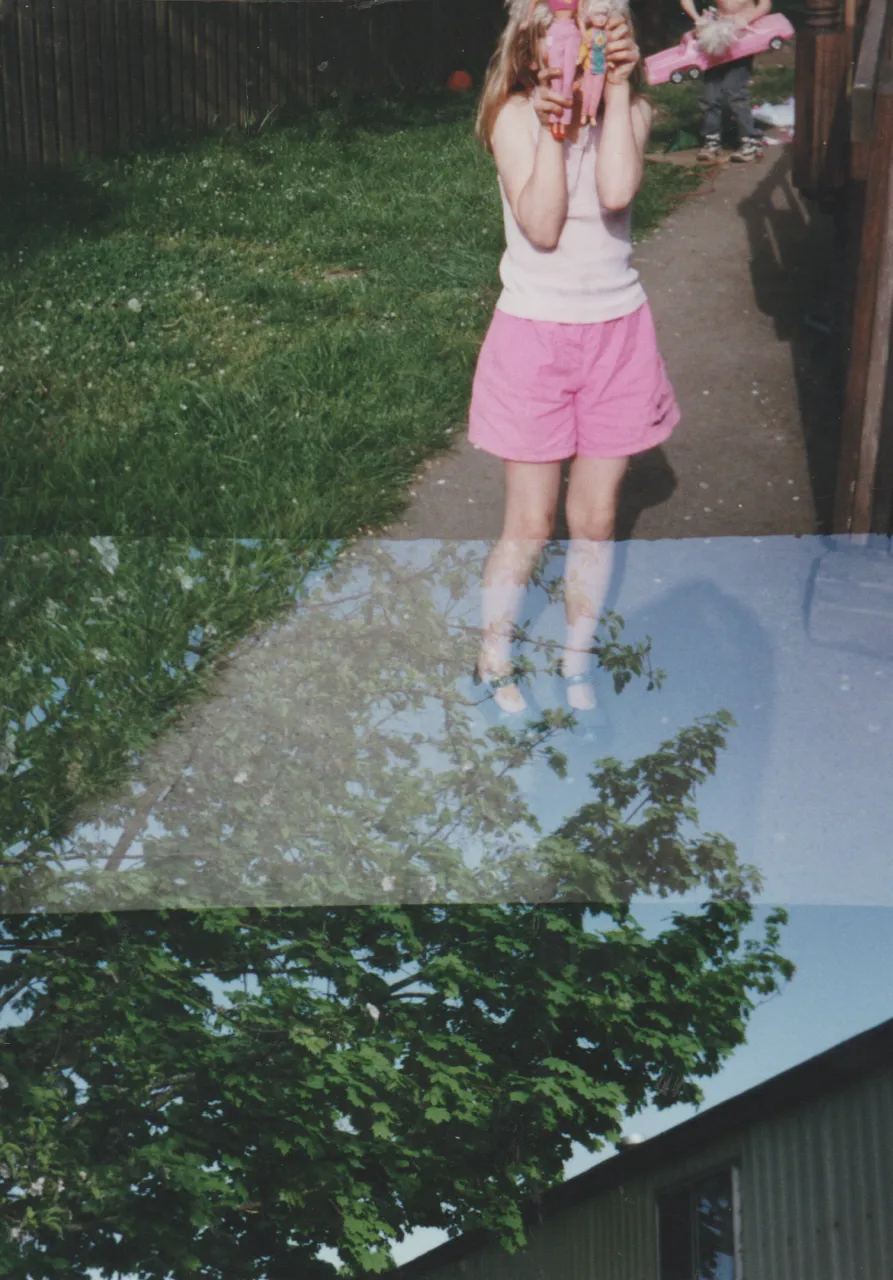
(728, 82)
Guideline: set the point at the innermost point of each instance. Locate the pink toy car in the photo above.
(688, 59)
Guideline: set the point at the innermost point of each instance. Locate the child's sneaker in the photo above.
(711, 151)
(750, 149)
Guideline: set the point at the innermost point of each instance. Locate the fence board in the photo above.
(96, 77)
(207, 44)
(124, 77)
(232, 34)
(131, 54)
(12, 136)
(111, 116)
(45, 70)
(80, 105)
(28, 82)
(62, 82)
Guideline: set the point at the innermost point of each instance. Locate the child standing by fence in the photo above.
(729, 83)
(570, 367)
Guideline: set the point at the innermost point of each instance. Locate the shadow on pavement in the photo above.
(794, 260)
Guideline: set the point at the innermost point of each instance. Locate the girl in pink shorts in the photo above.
(570, 367)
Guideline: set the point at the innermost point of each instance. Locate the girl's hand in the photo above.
(622, 54)
(547, 103)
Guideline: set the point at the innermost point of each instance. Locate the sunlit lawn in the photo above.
(242, 337)
(248, 336)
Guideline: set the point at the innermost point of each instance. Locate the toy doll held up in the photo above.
(577, 36)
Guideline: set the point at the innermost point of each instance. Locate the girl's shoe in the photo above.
(750, 149)
(711, 151)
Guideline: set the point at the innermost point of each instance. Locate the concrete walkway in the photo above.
(730, 276)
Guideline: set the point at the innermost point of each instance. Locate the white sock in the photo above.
(587, 576)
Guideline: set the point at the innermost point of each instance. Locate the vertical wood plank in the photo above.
(92, 77)
(125, 72)
(199, 64)
(253, 77)
(258, 16)
(108, 80)
(224, 28)
(187, 50)
(12, 141)
(109, 77)
(46, 82)
(856, 452)
(164, 118)
(234, 62)
(28, 74)
(80, 104)
(208, 48)
(135, 54)
(880, 251)
(62, 68)
(175, 63)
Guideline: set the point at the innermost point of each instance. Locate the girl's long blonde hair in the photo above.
(511, 67)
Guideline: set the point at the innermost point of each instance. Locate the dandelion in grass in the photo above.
(186, 582)
(134, 304)
(101, 655)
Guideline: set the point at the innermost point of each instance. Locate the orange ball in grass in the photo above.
(459, 82)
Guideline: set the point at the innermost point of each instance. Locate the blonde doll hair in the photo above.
(717, 35)
(614, 8)
(511, 71)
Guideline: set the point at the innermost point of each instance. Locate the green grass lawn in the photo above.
(241, 338)
(248, 336)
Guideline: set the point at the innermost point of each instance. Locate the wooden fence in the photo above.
(844, 158)
(88, 78)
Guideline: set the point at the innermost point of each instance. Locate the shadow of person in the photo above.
(717, 655)
(795, 265)
(649, 482)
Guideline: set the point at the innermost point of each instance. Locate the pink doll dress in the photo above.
(563, 44)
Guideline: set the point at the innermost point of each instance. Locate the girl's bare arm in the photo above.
(620, 165)
(532, 172)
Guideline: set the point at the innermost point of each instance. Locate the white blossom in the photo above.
(134, 304)
(107, 552)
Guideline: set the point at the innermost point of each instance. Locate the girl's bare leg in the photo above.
(591, 508)
(531, 490)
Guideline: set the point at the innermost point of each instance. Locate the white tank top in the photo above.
(588, 277)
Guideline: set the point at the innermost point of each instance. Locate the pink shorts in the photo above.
(545, 391)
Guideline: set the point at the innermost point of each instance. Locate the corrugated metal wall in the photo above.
(816, 1189)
